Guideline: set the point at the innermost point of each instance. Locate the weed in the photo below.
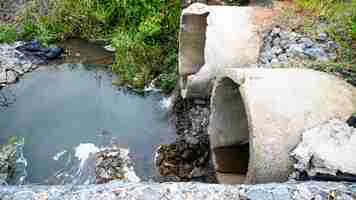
(8, 33)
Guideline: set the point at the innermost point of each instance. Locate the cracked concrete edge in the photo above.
(187, 191)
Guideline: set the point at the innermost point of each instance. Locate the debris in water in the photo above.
(41, 55)
(114, 164)
(96, 165)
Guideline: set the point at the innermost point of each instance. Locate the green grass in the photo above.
(340, 16)
(8, 33)
(144, 33)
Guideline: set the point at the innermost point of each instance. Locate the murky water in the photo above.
(59, 108)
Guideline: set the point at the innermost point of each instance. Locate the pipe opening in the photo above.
(229, 132)
(192, 43)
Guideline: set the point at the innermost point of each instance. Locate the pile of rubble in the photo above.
(283, 46)
(188, 158)
(114, 164)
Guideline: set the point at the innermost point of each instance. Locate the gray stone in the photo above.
(295, 36)
(277, 50)
(191, 140)
(323, 36)
(11, 77)
(284, 44)
(283, 58)
(316, 54)
(182, 191)
(276, 41)
(3, 77)
(114, 164)
(267, 56)
(307, 42)
(296, 50)
(13, 63)
(331, 45)
(276, 31)
(7, 161)
(284, 35)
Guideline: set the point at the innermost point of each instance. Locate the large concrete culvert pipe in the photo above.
(212, 38)
(258, 116)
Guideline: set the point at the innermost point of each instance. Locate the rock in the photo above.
(114, 164)
(282, 47)
(327, 150)
(332, 46)
(284, 44)
(7, 162)
(178, 160)
(11, 77)
(275, 31)
(267, 56)
(3, 76)
(200, 101)
(295, 36)
(276, 41)
(188, 191)
(277, 50)
(191, 140)
(296, 50)
(323, 36)
(316, 54)
(283, 58)
(307, 42)
(54, 53)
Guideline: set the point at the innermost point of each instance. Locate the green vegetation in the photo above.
(8, 33)
(144, 32)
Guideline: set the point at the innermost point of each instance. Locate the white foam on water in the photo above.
(131, 175)
(166, 102)
(59, 155)
(129, 170)
(83, 151)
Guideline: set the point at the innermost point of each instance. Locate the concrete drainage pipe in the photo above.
(212, 38)
(258, 116)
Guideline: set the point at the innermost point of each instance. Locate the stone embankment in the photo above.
(186, 191)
